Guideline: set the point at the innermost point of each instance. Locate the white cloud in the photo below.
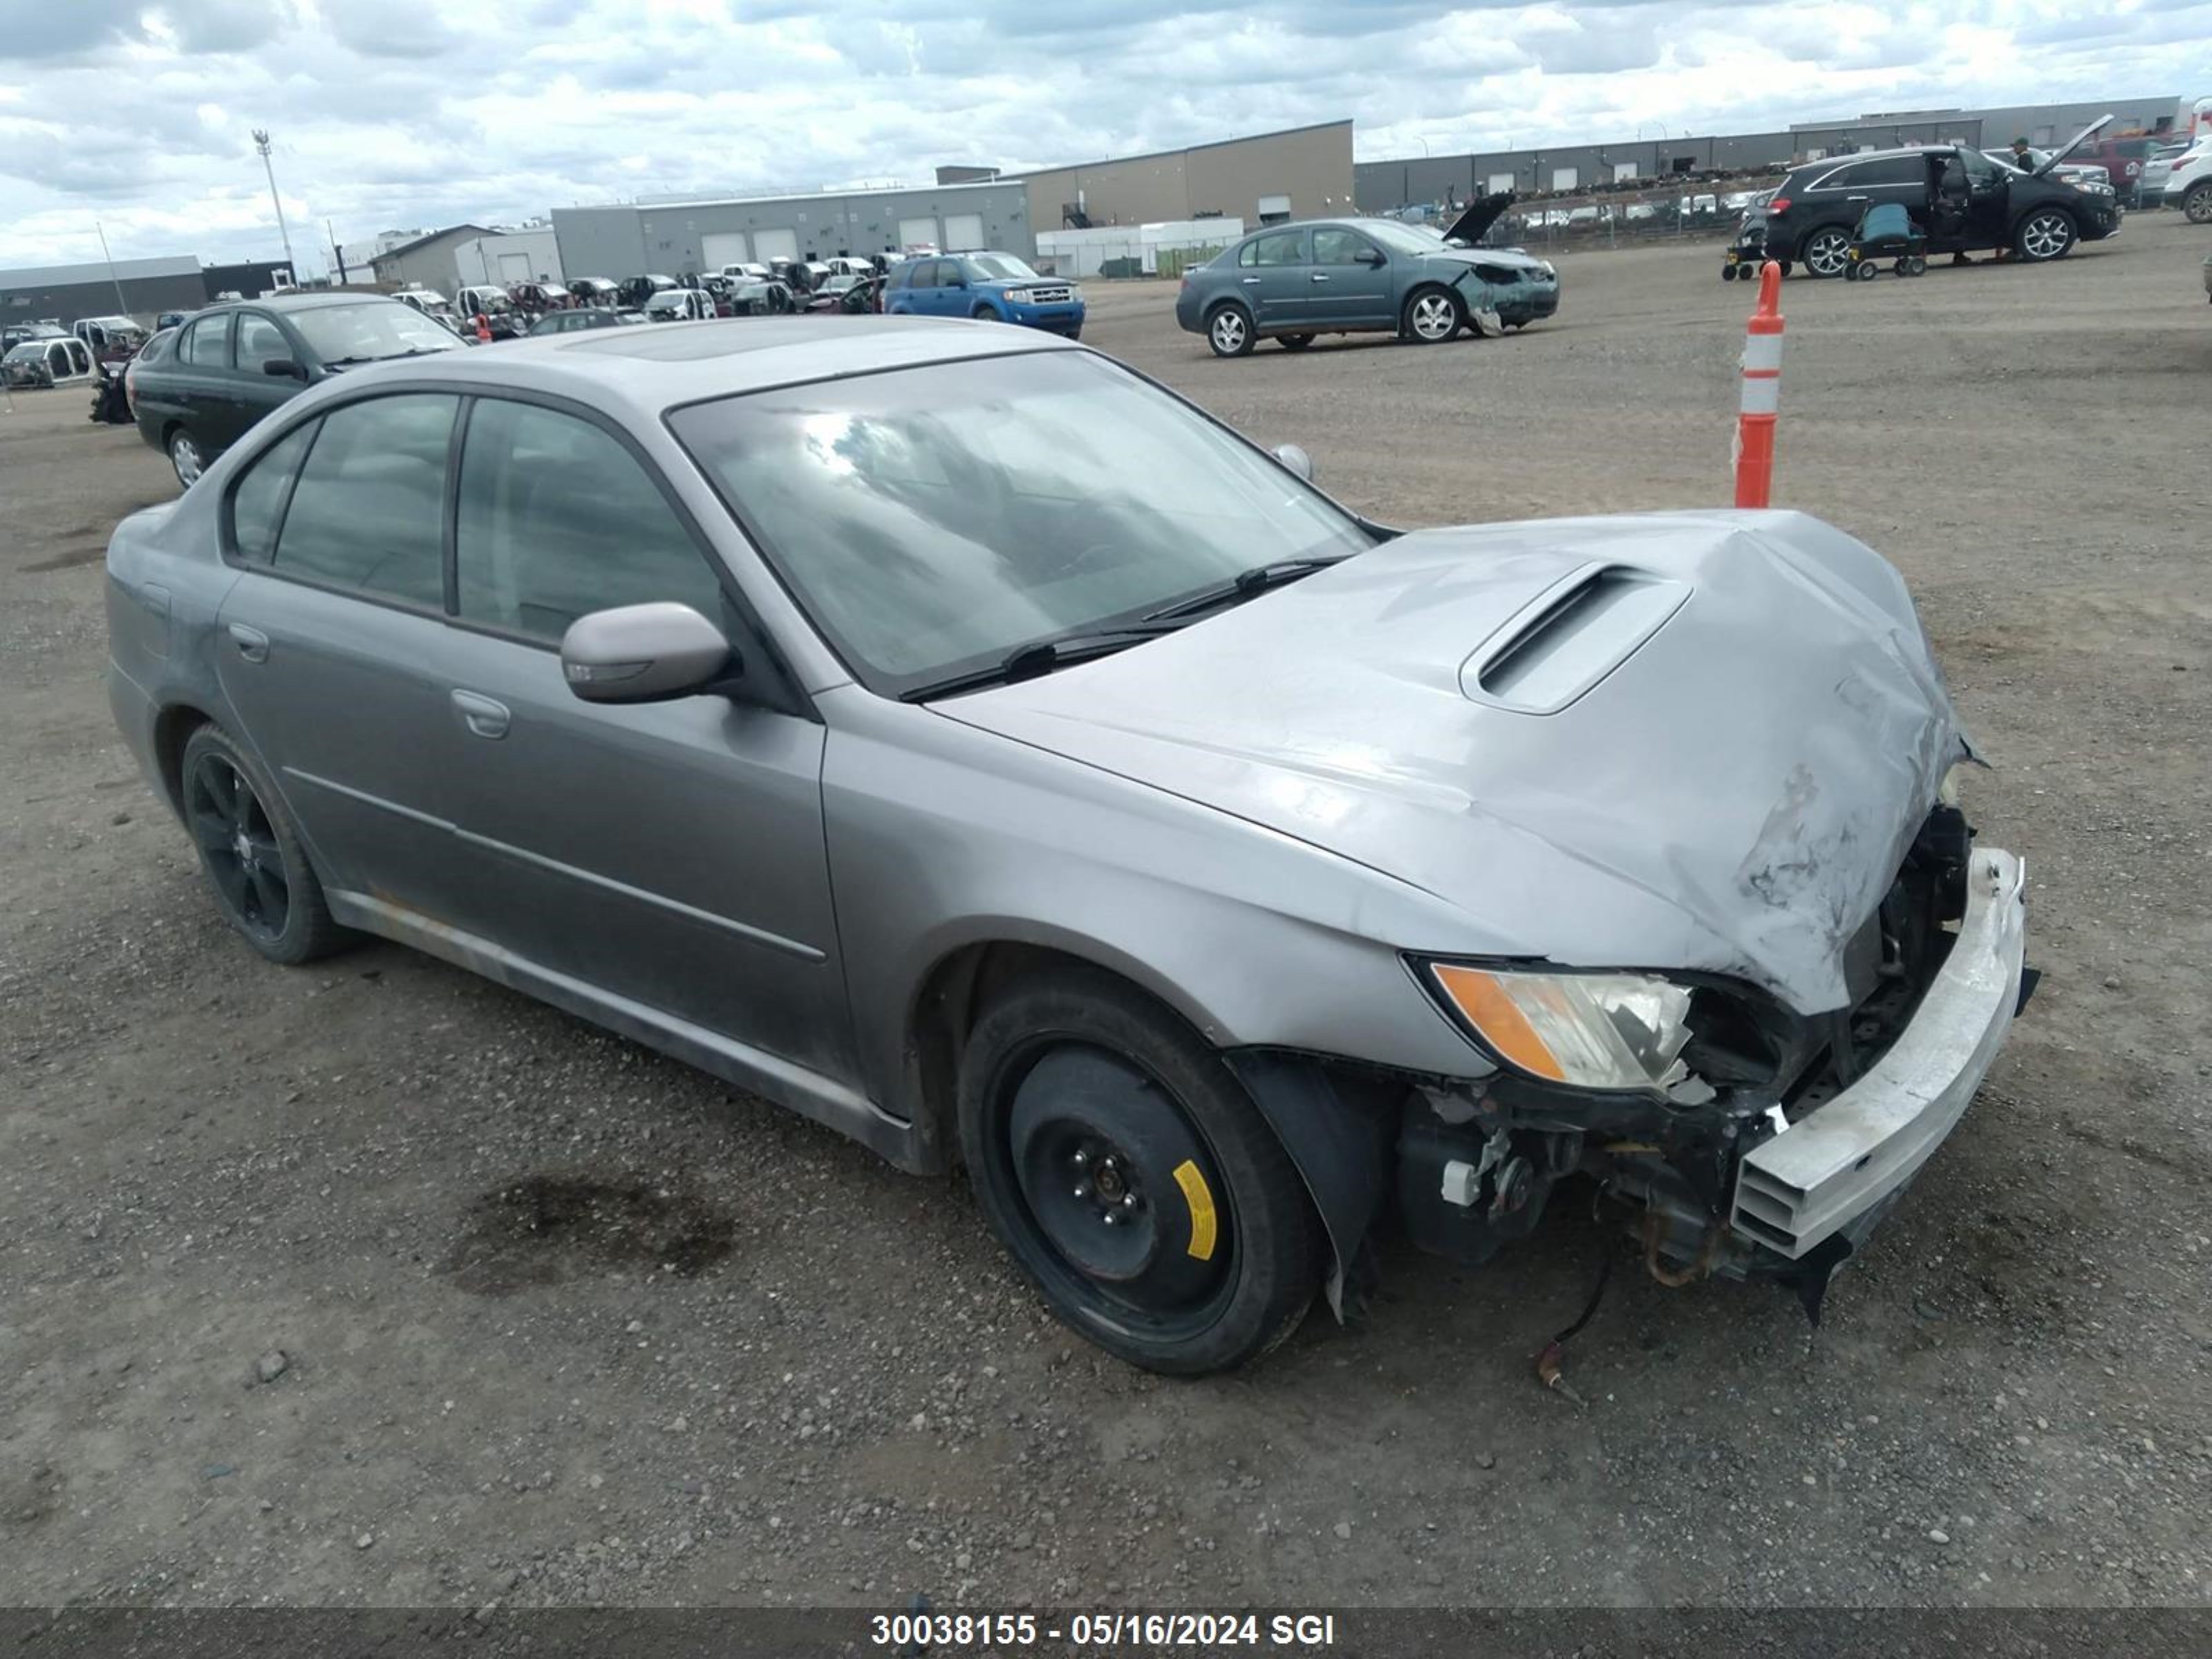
(404, 112)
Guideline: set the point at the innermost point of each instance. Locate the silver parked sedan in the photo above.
(948, 733)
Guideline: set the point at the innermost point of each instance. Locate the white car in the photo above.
(679, 305)
(2184, 181)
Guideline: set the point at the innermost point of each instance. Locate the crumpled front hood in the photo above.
(1699, 741)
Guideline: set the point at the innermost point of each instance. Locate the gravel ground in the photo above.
(374, 1283)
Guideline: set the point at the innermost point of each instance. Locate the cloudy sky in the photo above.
(388, 113)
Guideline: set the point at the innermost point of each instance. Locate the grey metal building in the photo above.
(65, 292)
(427, 261)
(679, 239)
(1383, 185)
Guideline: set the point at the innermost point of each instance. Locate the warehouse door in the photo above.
(962, 231)
(918, 233)
(514, 268)
(717, 248)
(769, 245)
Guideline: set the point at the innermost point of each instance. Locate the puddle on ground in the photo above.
(542, 1230)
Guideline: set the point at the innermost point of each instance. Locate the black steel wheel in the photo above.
(1132, 1178)
(251, 853)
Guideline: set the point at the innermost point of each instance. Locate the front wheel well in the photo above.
(953, 998)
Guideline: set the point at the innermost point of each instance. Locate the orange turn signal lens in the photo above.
(1484, 1005)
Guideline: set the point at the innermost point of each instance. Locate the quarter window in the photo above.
(557, 520)
(368, 510)
(207, 342)
(257, 505)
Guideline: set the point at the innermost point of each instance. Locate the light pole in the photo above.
(261, 143)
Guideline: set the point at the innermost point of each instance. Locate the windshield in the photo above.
(995, 266)
(25, 352)
(374, 328)
(931, 521)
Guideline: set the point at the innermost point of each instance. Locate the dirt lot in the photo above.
(775, 1370)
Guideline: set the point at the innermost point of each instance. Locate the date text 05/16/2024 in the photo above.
(1149, 1631)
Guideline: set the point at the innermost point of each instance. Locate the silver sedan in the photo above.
(948, 733)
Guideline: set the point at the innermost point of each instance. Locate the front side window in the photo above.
(932, 521)
(557, 520)
(1982, 174)
(257, 502)
(1333, 245)
(260, 341)
(367, 512)
(207, 342)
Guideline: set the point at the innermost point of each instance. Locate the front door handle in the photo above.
(1321, 275)
(484, 717)
(1250, 282)
(253, 644)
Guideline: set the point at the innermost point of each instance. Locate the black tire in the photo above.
(1785, 264)
(1073, 1076)
(2196, 205)
(1826, 252)
(1294, 342)
(985, 314)
(2044, 234)
(1727, 273)
(1431, 316)
(251, 853)
(1229, 330)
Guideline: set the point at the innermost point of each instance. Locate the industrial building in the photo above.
(427, 260)
(1299, 173)
(1381, 186)
(134, 287)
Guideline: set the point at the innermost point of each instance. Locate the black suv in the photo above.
(1962, 200)
(196, 390)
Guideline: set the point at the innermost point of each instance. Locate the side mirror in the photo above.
(642, 653)
(1374, 257)
(1296, 459)
(284, 369)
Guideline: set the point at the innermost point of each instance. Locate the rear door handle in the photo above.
(253, 644)
(484, 717)
(1321, 277)
(1250, 280)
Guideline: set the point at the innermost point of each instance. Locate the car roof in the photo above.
(1876, 155)
(647, 371)
(289, 302)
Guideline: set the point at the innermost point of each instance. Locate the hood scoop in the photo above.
(1570, 637)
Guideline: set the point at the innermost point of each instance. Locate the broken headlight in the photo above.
(1588, 1031)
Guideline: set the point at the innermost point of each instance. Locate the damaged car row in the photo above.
(1228, 881)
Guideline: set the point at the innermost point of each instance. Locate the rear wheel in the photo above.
(1294, 342)
(1431, 317)
(2047, 233)
(251, 853)
(1229, 332)
(2196, 205)
(184, 456)
(1132, 1178)
(1827, 252)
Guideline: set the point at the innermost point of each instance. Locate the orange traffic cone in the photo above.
(1761, 402)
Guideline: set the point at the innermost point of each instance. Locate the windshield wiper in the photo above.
(384, 357)
(1041, 657)
(1242, 586)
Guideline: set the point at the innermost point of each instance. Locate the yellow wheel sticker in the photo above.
(1199, 1197)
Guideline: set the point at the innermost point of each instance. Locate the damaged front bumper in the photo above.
(1832, 1174)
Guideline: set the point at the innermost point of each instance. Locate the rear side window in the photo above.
(1890, 170)
(367, 512)
(257, 504)
(207, 342)
(557, 520)
(1288, 248)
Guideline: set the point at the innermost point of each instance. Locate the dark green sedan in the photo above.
(196, 390)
